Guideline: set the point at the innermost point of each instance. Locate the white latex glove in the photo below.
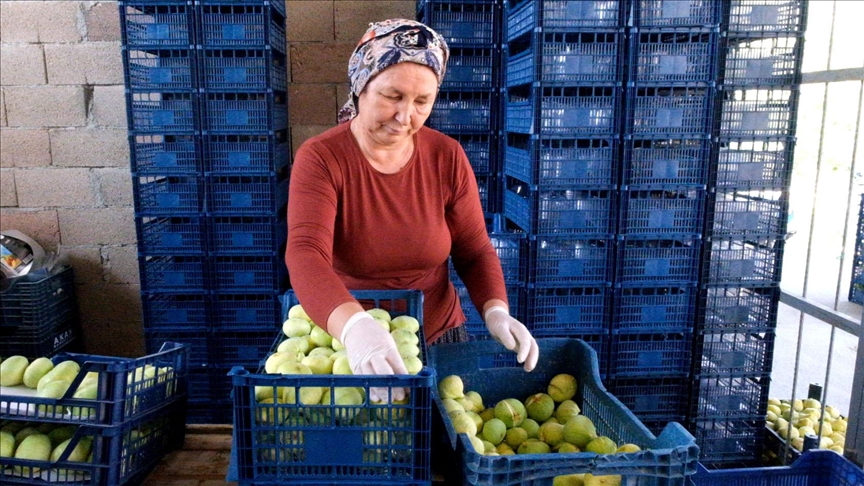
(371, 350)
(513, 335)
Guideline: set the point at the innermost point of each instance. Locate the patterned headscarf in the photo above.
(387, 43)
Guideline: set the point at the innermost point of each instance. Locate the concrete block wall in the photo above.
(64, 156)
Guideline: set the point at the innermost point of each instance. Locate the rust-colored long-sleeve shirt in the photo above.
(352, 227)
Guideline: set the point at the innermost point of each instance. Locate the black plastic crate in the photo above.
(165, 153)
(234, 112)
(671, 56)
(563, 15)
(763, 61)
(481, 149)
(642, 355)
(159, 69)
(162, 112)
(168, 194)
(567, 310)
(581, 162)
(572, 111)
(246, 153)
(570, 260)
(658, 262)
(733, 354)
(738, 309)
(677, 13)
(171, 235)
(64, 335)
(666, 161)
(669, 111)
(170, 273)
(759, 112)
(245, 311)
(649, 310)
(246, 235)
(254, 195)
(163, 24)
(653, 399)
(566, 58)
(735, 441)
(749, 213)
(470, 24)
(473, 68)
(561, 210)
(243, 69)
(242, 25)
(754, 163)
(729, 396)
(248, 273)
(164, 310)
(761, 17)
(464, 112)
(661, 212)
(739, 261)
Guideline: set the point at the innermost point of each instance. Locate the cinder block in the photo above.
(29, 21)
(121, 264)
(62, 188)
(310, 21)
(116, 329)
(115, 186)
(102, 21)
(320, 63)
(40, 224)
(85, 63)
(312, 104)
(342, 92)
(3, 121)
(97, 226)
(47, 106)
(109, 106)
(352, 18)
(89, 147)
(8, 198)
(86, 260)
(22, 64)
(24, 148)
(301, 133)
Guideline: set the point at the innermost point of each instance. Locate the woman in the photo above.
(380, 202)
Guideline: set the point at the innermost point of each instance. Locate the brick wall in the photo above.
(64, 161)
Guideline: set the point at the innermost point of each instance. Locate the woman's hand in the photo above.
(371, 350)
(513, 335)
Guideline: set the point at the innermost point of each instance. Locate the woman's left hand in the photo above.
(513, 335)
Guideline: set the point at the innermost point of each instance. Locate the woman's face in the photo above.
(396, 102)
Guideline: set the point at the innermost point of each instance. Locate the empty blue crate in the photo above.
(739, 261)
(754, 162)
(162, 111)
(243, 69)
(172, 235)
(481, 149)
(662, 211)
(164, 153)
(558, 260)
(247, 194)
(670, 111)
(487, 187)
(464, 111)
(246, 153)
(200, 385)
(524, 16)
(738, 309)
(566, 58)
(759, 18)
(164, 310)
(677, 13)
(814, 467)
(472, 68)
(666, 161)
(246, 235)
(561, 210)
(163, 24)
(167, 194)
(245, 112)
(658, 262)
(474, 323)
(654, 309)
(733, 441)
(169, 273)
(581, 162)
(733, 353)
(245, 311)
(572, 111)
(653, 399)
(242, 347)
(670, 56)
(729, 396)
(511, 249)
(159, 70)
(471, 23)
(559, 311)
(759, 112)
(748, 213)
(660, 354)
(771, 61)
(238, 25)
(209, 412)
(248, 273)
(195, 339)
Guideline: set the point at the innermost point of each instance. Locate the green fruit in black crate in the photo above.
(12, 370)
(510, 411)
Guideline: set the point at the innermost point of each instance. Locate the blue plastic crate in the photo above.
(124, 392)
(172, 273)
(760, 17)
(472, 68)
(159, 70)
(167, 194)
(749, 213)
(563, 15)
(677, 13)
(464, 111)
(248, 273)
(481, 149)
(729, 396)
(209, 411)
(276, 5)
(662, 211)
(195, 339)
(653, 399)
(199, 388)
(243, 69)
(759, 112)
(566, 58)
(658, 262)
(666, 161)
(733, 353)
(173, 235)
(561, 210)
(670, 56)
(752, 163)
(472, 23)
(736, 261)
(487, 187)
(511, 249)
(486, 367)
(764, 61)
(554, 260)
(585, 162)
(163, 24)
(670, 111)
(738, 309)
(733, 441)
(122, 454)
(560, 311)
(572, 111)
(239, 25)
(246, 235)
(814, 467)
(661, 354)
(654, 309)
(164, 154)
(246, 153)
(245, 347)
(245, 311)
(474, 323)
(162, 112)
(234, 112)
(247, 194)
(175, 310)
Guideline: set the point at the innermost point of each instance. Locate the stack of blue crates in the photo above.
(745, 226)
(206, 87)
